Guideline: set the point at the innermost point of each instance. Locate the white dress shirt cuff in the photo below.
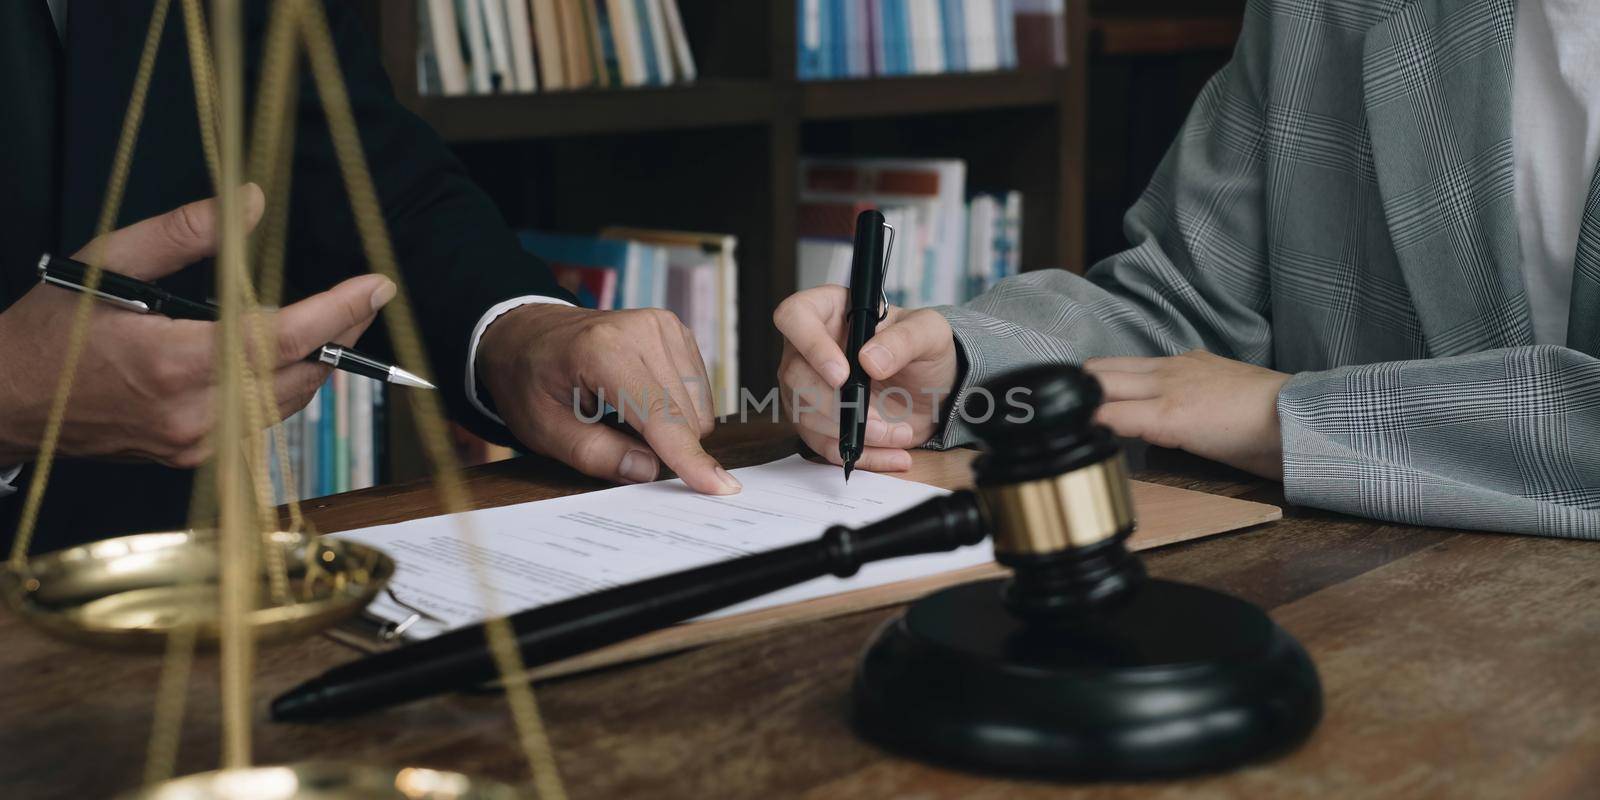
(484, 322)
(7, 477)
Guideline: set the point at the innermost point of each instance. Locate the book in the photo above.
(660, 44)
(521, 29)
(810, 54)
(339, 480)
(576, 44)
(983, 48)
(595, 287)
(441, 40)
(362, 473)
(953, 20)
(489, 46)
(608, 61)
(501, 76)
(628, 41)
(548, 32)
(1041, 33)
(683, 56)
(641, 271)
(927, 36)
(470, 13)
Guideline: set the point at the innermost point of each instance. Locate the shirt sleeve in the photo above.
(484, 322)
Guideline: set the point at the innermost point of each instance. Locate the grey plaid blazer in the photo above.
(1339, 205)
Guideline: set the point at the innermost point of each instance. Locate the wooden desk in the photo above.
(1454, 665)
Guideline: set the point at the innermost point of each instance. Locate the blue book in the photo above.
(808, 30)
(897, 36)
(1005, 30)
(652, 67)
(325, 440)
(953, 14)
(838, 38)
(633, 262)
(608, 44)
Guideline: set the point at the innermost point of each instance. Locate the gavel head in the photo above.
(1055, 491)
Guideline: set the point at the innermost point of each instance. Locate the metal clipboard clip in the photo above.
(389, 631)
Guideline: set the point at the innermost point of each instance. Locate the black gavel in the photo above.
(1076, 665)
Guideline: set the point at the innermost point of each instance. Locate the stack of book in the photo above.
(336, 443)
(694, 275)
(493, 46)
(947, 247)
(864, 38)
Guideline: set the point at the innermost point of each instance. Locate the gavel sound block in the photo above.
(1078, 665)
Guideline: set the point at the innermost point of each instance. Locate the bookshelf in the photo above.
(723, 153)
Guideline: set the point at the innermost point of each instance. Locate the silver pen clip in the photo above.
(883, 277)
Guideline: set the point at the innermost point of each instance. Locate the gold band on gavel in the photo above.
(1062, 512)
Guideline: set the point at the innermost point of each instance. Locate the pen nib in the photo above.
(404, 378)
(847, 469)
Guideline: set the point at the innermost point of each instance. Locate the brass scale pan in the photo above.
(130, 593)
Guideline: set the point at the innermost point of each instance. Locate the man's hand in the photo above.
(911, 360)
(546, 364)
(145, 386)
(1211, 406)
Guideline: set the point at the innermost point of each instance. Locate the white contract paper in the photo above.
(547, 551)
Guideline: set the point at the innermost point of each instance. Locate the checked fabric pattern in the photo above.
(1339, 205)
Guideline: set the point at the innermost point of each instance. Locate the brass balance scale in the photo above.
(249, 581)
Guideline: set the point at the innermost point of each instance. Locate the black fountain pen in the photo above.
(147, 298)
(867, 309)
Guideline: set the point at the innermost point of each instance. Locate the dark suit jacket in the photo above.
(456, 254)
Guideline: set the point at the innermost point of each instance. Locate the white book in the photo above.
(547, 34)
(983, 52)
(980, 244)
(503, 78)
(470, 12)
(361, 463)
(656, 28)
(310, 438)
(681, 52)
(927, 37)
(521, 45)
(627, 37)
(440, 67)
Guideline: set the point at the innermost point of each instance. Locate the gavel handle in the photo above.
(460, 659)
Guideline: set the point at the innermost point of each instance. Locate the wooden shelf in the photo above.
(929, 94)
(710, 104)
(1135, 35)
(716, 104)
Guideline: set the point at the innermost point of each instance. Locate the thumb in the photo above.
(160, 246)
(915, 335)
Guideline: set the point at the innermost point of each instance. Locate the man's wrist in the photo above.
(477, 396)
